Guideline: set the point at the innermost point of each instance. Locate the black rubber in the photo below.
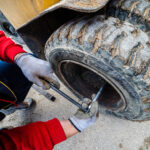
(2, 116)
(115, 49)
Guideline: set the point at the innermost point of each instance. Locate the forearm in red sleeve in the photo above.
(37, 136)
(8, 49)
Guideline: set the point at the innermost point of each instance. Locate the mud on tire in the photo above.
(136, 12)
(112, 49)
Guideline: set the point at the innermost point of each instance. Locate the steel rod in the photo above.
(96, 97)
(68, 98)
(98, 93)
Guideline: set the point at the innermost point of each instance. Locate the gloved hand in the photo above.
(35, 70)
(83, 120)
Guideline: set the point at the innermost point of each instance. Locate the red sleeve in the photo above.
(8, 49)
(37, 136)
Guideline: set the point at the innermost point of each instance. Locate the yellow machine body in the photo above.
(18, 12)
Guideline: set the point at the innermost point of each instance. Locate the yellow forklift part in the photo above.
(18, 12)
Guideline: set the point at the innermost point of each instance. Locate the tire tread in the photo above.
(97, 35)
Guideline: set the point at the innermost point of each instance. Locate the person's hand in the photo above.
(83, 120)
(36, 70)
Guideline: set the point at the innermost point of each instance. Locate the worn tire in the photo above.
(136, 12)
(109, 47)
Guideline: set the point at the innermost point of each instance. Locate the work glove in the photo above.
(83, 120)
(37, 71)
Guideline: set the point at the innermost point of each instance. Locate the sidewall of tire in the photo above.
(102, 66)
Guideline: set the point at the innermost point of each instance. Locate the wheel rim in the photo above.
(85, 81)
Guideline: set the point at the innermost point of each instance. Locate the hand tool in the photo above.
(85, 110)
(44, 93)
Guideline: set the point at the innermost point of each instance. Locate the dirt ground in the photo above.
(109, 133)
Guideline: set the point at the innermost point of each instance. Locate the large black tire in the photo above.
(110, 49)
(136, 12)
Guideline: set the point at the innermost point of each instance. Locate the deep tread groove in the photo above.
(130, 58)
(60, 32)
(99, 37)
(117, 42)
(82, 32)
(139, 48)
(133, 6)
(147, 72)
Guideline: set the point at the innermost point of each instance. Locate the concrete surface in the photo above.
(109, 133)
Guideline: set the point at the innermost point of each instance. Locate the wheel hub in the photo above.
(85, 81)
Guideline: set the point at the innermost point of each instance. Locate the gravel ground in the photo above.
(109, 133)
